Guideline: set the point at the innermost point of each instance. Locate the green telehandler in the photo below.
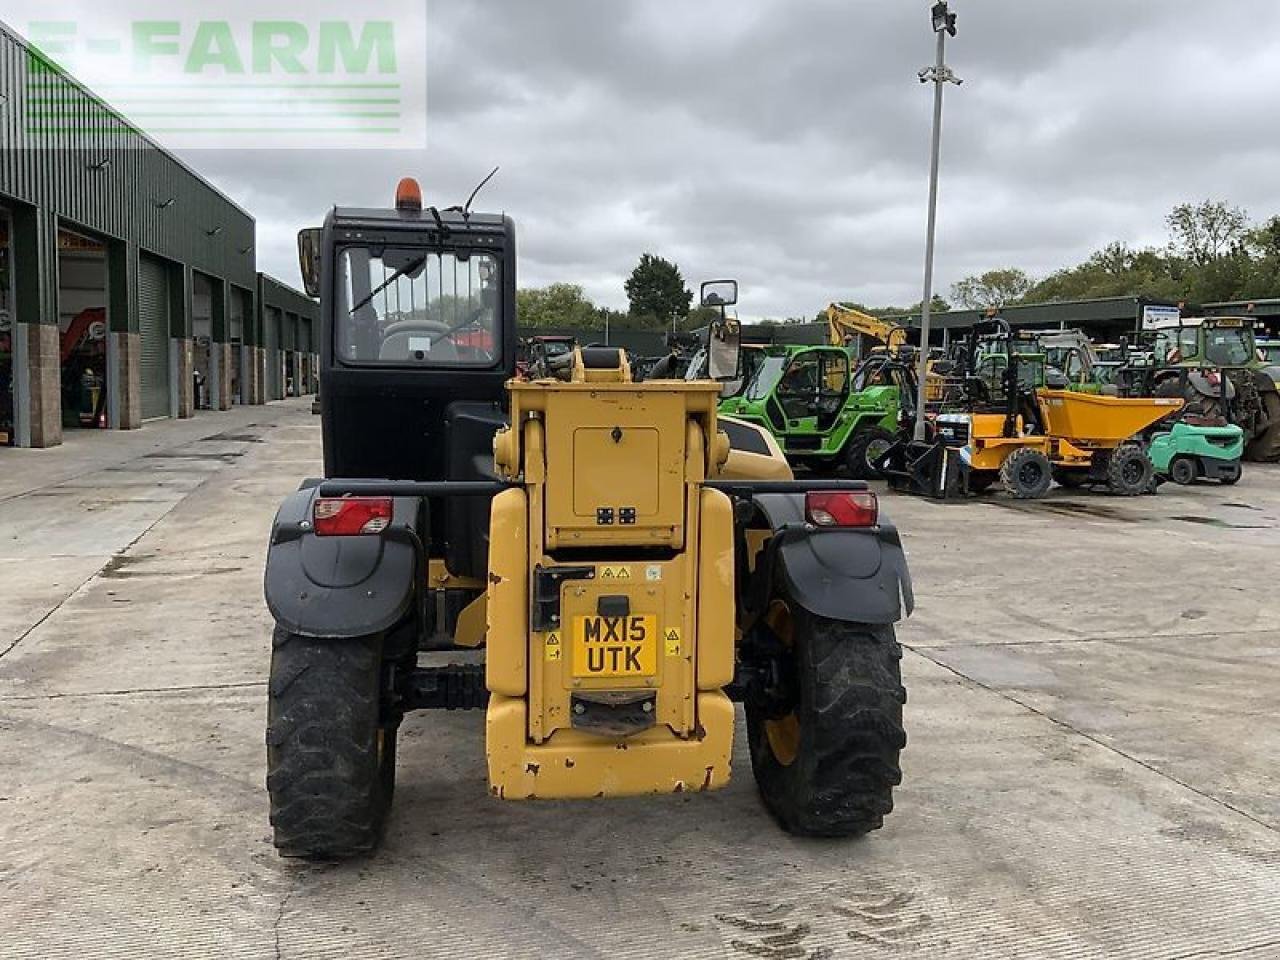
(824, 414)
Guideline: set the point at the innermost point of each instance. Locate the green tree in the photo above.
(558, 305)
(656, 289)
(1206, 231)
(700, 317)
(1114, 271)
(936, 305)
(995, 288)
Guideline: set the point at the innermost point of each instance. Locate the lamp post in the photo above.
(944, 23)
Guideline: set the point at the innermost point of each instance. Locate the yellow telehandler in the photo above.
(630, 563)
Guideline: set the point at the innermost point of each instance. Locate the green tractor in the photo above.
(824, 413)
(1188, 357)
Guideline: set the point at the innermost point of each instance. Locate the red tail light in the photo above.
(844, 508)
(351, 516)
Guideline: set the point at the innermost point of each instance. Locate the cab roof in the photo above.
(391, 217)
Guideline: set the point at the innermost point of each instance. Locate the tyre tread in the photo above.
(328, 797)
(841, 783)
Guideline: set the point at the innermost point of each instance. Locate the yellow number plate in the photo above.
(615, 646)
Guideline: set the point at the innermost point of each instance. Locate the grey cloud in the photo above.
(786, 142)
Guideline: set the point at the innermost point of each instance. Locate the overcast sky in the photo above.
(785, 142)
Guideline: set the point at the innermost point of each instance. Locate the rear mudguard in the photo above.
(343, 587)
(854, 575)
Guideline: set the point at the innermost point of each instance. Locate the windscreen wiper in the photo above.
(411, 265)
(449, 332)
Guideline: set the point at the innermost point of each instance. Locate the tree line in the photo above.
(1214, 252)
(658, 299)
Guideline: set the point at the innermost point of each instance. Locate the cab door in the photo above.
(813, 390)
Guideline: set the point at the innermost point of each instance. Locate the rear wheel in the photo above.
(1129, 470)
(1232, 477)
(330, 757)
(1026, 474)
(826, 759)
(1182, 471)
(1265, 448)
(1198, 404)
(865, 450)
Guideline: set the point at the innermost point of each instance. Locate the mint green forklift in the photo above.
(1186, 452)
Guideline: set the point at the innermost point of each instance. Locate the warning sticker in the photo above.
(553, 646)
(672, 642)
(653, 573)
(615, 573)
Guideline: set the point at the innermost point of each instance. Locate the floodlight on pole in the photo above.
(944, 24)
(943, 19)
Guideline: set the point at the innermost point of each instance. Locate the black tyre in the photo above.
(1129, 471)
(1026, 474)
(865, 449)
(1231, 478)
(1071, 478)
(330, 757)
(826, 763)
(1265, 448)
(1182, 471)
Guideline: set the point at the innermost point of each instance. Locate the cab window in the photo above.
(409, 306)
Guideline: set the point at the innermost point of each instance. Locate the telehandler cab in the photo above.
(610, 545)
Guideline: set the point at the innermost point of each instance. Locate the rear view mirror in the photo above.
(720, 293)
(724, 350)
(309, 243)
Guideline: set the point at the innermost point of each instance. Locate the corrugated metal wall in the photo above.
(125, 199)
(273, 293)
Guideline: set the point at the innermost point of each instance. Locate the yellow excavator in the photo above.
(847, 325)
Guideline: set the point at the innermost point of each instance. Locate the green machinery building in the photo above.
(1104, 319)
(129, 288)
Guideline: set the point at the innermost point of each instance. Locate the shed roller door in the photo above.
(153, 322)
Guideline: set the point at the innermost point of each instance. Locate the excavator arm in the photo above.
(846, 322)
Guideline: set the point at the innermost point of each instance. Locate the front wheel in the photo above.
(1129, 470)
(826, 758)
(1182, 471)
(865, 450)
(1026, 474)
(330, 755)
(1232, 476)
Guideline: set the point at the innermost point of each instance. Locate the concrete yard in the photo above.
(1091, 770)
